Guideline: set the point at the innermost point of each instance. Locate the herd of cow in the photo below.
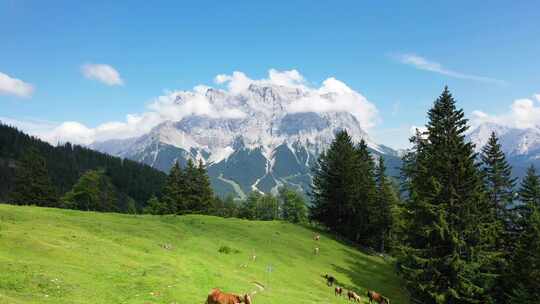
(217, 296)
(351, 295)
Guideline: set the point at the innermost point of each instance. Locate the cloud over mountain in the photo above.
(228, 101)
(523, 113)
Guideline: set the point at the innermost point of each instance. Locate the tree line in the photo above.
(73, 177)
(460, 231)
(188, 190)
(59, 168)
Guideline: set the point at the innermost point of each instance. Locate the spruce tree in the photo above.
(383, 208)
(525, 272)
(529, 195)
(204, 188)
(498, 178)
(448, 255)
(173, 192)
(499, 187)
(366, 215)
(32, 183)
(335, 195)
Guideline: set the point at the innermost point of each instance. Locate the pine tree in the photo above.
(447, 256)
(525, 272)
(204, 189)
(331, 183)
(384, 204)
(173, 192)
(32, 183)
(499, 187)
(366, 215)
(498, 178)
(529, 194)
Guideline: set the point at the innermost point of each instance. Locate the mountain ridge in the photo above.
(263, 141)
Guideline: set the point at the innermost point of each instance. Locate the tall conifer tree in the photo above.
(525, 270)
(173, 192)
(498, 178)
(205, 191)
(447, 256)
(382, 210)
(366, 215)
(499, 187)
(529, 194)
(334, 179)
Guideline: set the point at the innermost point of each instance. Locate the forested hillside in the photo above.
(66, 163)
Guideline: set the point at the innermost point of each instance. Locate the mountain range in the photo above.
(267, 146)
(259, 139)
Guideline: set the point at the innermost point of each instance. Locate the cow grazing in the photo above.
(216, 296)
(330, 280)
(377, 297)
(338, 290)
(317, 237)
(353, 296)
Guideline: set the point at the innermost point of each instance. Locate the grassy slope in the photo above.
(62, 256)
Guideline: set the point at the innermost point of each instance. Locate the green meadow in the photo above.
(65, 256)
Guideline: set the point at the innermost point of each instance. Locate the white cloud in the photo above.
(35, 127)
(14, 86)
(332, 96)
(238, 82)
(422, 63)
(524, 113)
(344, 99)
(103, 73)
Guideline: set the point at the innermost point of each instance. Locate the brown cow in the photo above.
(354, 296)
(216, 296)
(377, 297)
(338, 290)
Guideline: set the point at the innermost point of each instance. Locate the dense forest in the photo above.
(65, 164)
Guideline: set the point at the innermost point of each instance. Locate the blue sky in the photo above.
(399, 55)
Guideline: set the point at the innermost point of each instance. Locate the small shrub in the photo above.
(227, 250)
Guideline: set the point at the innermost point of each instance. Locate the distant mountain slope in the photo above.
(64, 257)
(267, 147)
(521, 146)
